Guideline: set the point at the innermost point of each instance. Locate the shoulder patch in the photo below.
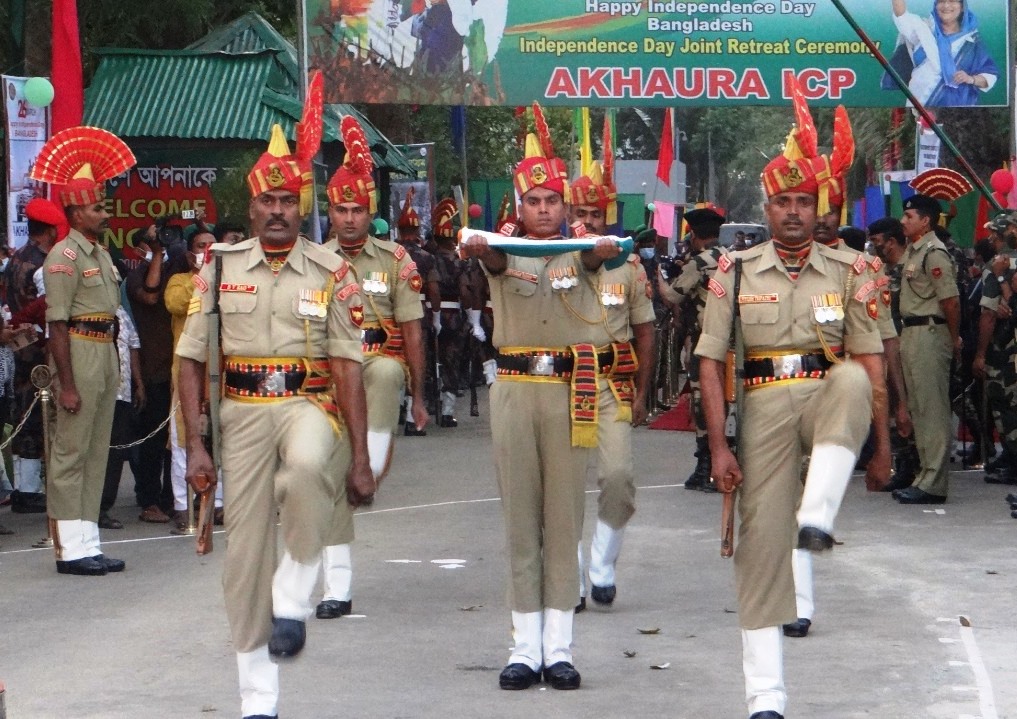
(409, 269)
(399, 252)
(860, 265)
(346, 292)
(872, 308)
(70, 254)
(633, 258)
(876, 264)
(416, 284)
(64, 269)
(357, 314)
(937, 272)
(865, 290)
(715, 287)
(200, 283)
(724, 263)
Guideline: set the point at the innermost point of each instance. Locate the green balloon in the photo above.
(651, 207)
(39, 91)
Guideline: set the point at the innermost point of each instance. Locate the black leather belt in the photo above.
(92, 326)
(547, 364)
(923, 320)
(375, 336)
(262, 382)
(785, 365)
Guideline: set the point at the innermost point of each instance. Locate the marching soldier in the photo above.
(392, 340)
(293, 417)
(82, 296)
(628, 333)
(543, 415)
(930, 311)
(801, 307)
(445, 281)
(691, 286)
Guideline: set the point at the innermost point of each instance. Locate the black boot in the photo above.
(700, 477)
(999, 462)
(28, 502)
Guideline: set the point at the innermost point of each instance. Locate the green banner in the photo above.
(657, 52)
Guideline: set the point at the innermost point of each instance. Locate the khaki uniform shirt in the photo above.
(928, 278)
(531, 312)
(284, 315)
(388, 279)
(80, 280)
(779, 315)
(626, 297)
(887, 329)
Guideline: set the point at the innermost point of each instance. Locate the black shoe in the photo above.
(518, 676)
(108, 522)
(768, 714)
(288, 637)
(1011, 498)
(999, 462)
(112, 565)
(28, 502)
(86, 567)
(562, 675)
(693, 482)
(474, 409)
(814, 540)
(797, 628)
(700, 477)
(448, 420)
(603, 595)
(261, 716)
(581, 607)
(332, 609)
(1013, 513)
(1002, 476)
(899, 482)
(913, 495)
(410, 430)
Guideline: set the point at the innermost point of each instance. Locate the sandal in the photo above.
(154, 515)
(108, 522)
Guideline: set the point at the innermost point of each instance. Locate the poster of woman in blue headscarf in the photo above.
(949, 63)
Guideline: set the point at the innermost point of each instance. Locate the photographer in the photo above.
(146, 286)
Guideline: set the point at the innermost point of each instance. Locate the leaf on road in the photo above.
(665, 665)
(655, 630)
(628, 653)
(964, 621)
(471, 608)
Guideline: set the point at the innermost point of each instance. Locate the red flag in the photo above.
(69, 93)
(666, 157)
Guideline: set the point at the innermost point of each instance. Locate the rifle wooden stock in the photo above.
(206, 513)
(727, 525)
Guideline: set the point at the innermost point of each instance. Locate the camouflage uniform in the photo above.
(1001, 382)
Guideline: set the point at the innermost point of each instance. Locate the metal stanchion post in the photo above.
(42, 378)
(192, 525)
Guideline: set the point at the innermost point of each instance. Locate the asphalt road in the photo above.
(433, 632)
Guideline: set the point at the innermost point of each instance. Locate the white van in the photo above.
(753, 234)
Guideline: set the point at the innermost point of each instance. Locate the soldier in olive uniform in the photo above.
(690, 286)
(802, 307)
(293, 418)
(82, 296)
(392, 340)
(543, 416)
(629, 334)
(930, 312)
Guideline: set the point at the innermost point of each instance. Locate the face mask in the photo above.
(646, 253)
(3, 263)
(199, 260)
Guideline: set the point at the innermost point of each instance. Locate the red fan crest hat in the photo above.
(442, 218)
(78, 161)
(408, 218)
(353, 181)
(540, 167)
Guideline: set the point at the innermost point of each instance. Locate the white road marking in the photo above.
(986, 701)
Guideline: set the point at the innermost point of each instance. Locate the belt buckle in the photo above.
(541, 365)
(272, 382)
(790, 364)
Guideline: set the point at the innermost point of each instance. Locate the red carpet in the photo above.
(678, 418)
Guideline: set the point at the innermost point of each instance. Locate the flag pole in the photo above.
(926, 115)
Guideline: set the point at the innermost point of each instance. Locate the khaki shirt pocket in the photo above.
(236, 308)
(94, 280)
(760, 314)
(523, 288)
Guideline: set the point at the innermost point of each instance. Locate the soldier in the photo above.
(293, 417)
(690, 287)
(801, 306)
(629, 334)
(445, 281)
(392, 340)
(409, 239)
(543, 415)
(930, 312)
(994, 355)
(82, 296)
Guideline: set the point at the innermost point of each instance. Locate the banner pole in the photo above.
(965, 165)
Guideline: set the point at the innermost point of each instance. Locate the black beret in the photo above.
(703, 216)
(928, 206)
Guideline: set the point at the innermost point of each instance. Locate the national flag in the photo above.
(666, 157)
(69, 92)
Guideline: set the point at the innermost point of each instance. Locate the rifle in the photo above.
(735, 395)
(206, 512)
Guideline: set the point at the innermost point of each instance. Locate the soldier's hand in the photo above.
(478, 332)
(420, 414)
(904, 425)
(473, 246)
(724, 471)
(877, 473)
(639, 411)
(978, 366)
(360, 485)
(1003, 311)
(200, 469)
(606, 249)
(69, 400)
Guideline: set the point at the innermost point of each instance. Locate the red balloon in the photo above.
(1001, 181)
(475, 211)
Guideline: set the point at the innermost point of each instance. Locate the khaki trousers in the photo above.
(925, 352)
(781, 423)
(542, 479)
(617, 500)
(77, 460)
(281, 456)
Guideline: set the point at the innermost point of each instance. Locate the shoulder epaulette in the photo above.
(876, 264)
(860, 265)
(226, 247)
(725, 263)
(633, 258)
(320, 256)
